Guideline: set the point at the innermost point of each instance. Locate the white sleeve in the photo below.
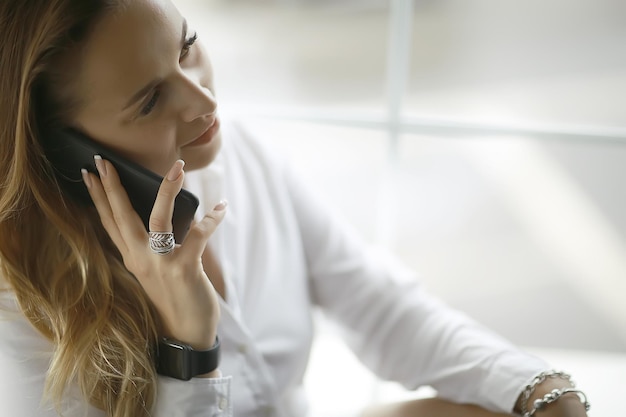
(24, 360)
(199, 397)
(396, 328)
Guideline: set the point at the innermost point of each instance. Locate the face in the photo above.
(145, 88)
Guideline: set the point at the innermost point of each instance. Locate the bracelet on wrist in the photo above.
(539, 379)
(550, 397)
(554, 395)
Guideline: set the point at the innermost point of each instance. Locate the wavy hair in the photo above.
(67, 275)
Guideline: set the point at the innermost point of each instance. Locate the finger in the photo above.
(126, 218)
(99, 198)
(198, 235)
(163, 209)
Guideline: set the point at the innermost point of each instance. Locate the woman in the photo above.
(87, 302)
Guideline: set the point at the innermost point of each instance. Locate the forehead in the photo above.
(127, 49)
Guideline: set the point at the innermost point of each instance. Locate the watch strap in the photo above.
(179, 360)
(205, 361)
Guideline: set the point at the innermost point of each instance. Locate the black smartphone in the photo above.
(69, 151)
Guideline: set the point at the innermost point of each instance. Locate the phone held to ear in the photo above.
(69, 151)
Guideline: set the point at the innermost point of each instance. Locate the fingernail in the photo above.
(86, 178)
(176, 170)
(221, 205)
(102, 169)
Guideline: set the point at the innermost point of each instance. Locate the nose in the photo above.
(196, 100)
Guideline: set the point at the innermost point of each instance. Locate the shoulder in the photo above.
(243, 140)
(25, 356)
(19, 340)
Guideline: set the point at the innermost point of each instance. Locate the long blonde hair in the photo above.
(66, 273)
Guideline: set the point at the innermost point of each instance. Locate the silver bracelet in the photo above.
(539, 379)
(554, 395)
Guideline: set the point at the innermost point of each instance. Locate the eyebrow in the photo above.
(143, 91)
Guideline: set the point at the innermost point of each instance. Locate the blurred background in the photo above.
(483, 142)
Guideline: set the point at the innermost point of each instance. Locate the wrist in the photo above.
(202, 338)
(204, 343)
(569, 405)
(552, 394)
(215, 374)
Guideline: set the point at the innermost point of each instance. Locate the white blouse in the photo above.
(284, 254)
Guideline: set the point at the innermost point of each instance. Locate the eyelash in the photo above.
(188, 44)
(150, 105)
(147, 109)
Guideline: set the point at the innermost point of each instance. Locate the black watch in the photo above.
(181, 361)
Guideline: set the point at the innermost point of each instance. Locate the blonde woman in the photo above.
(97, 319)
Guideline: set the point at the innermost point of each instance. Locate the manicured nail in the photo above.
(102, 169)
(176, 170)
(86, 178)
(221, 205)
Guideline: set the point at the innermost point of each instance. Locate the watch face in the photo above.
(174, 360)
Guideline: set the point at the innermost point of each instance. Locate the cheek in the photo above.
(153, 147)
(150, 143)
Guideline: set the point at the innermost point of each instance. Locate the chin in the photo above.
(199, 157)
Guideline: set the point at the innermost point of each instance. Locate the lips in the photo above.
(206, 136)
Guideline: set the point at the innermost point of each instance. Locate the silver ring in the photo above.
(161, 243)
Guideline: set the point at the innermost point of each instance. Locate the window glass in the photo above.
(522, 62)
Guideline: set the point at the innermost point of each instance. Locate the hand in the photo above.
(175, 283)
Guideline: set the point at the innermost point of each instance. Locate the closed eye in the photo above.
(187, 45)
(147, 109)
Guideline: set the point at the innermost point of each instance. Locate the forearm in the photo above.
(429, 407)
(568, 406)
